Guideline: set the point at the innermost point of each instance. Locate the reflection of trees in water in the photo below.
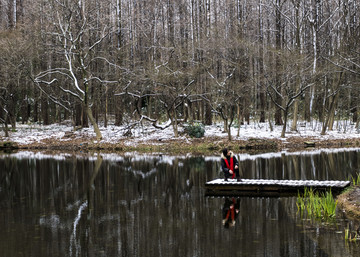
(122, 201)
(151, 206)
(321, 166)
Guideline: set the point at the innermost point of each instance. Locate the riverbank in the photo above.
(349, 202)
(253, 137)
(208, 145)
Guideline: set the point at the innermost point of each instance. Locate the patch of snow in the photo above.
(27, 134)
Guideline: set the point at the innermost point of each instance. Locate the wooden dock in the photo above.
(269, 187)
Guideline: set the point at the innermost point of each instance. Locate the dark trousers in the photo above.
(228, 175)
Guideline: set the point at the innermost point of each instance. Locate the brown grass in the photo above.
(206, 145)
(349, 202)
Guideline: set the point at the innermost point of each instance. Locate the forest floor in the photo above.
(145, 138)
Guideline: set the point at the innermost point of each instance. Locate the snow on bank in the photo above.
(27, 134)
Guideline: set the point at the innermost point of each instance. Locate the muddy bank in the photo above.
(349, 202)
(208, 145)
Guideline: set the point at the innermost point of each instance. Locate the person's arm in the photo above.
(223, 166)
(236, 163)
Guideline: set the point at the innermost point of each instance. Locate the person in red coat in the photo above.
(229, 165)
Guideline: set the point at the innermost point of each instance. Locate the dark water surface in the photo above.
(136, 205)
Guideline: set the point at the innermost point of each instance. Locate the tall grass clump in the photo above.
(351, 236)
(321, 206)
(356, 179)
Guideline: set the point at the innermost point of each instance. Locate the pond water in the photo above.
(140, 205)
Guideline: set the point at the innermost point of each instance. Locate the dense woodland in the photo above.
(131, 61)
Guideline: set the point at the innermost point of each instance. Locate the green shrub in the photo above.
(195, 129)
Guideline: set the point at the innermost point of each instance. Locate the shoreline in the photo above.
(208, 145)
(349, 202)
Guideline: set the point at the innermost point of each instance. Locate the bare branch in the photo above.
(342, 66)
(52, 98)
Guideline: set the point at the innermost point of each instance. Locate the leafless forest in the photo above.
(130, 61)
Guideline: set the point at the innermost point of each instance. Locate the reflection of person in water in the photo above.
(230, 212)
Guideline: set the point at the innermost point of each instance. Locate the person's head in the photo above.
(225, 151)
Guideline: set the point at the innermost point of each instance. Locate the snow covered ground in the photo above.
(27, 134)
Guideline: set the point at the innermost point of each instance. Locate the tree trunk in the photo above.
(307, 116)
(77, 115)
(231, 120)
(278, 120)
(229, 134)
(261, 90)
(332, 104)
(45, 111)
(93, 122)
(327, 120)
(226, 125)
(106, 107)
(208, 114)
(355, 115)
(229, 130)
(174, 121)
(239, 120)
(285, 122)
(201, 111)
(270, 124)
(332, 116)
(6, 128)
(298, 74)
(295, 118)
(118, 112)
(36, 111)
(84, 117)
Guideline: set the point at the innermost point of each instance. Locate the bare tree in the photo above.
(285, 95)
(87, 51)
(77, 39)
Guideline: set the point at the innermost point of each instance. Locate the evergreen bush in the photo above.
(195, 129)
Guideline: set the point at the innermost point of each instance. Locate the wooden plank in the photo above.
(268, 186)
